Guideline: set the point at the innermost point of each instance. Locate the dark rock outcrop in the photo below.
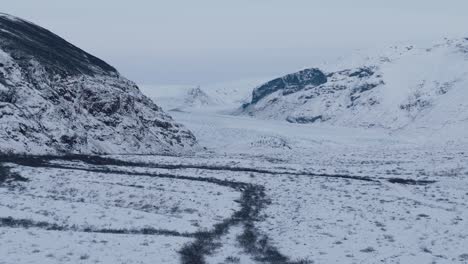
(290, 83)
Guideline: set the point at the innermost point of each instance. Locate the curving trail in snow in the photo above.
(205, 242)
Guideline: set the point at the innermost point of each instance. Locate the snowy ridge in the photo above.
(56, 98)
(402, 88)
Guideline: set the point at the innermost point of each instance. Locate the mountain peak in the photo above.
(26, 42)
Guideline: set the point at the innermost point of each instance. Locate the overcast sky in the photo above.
(205, 41)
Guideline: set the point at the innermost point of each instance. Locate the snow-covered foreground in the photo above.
(261, 192)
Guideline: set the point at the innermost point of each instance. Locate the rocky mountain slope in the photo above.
(56, 98)
(403, 87)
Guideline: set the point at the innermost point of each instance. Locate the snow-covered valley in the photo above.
(364, 162)
(261, 191)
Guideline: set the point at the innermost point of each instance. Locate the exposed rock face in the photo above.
(56, 98)
(403, 87)
(290, 83)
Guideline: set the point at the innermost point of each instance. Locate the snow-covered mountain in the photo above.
(177, 98)
(403, 87)
(214, 96)
(56, 98)
(196, 97)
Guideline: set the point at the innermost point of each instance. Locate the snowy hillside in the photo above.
(56, 98)
(401, 88)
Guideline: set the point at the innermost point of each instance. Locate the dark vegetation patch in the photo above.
(304, 119)
(254, 243)
(26, 223)
(260, 247)
(252, 200)
(6, 176)
(43, 161)
(410, 181)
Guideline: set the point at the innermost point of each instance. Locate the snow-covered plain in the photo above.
(346, 220)
(324, 195)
